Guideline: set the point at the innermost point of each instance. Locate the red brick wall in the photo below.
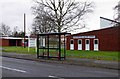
(83, 44)
(75, 44)
(110, 40)
(0, 42)
(91, 44)
(68, 42)
(4, 42)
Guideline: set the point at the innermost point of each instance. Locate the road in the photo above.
(12, 67)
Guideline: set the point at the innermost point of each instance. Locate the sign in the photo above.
(32, 42)
(77, 37)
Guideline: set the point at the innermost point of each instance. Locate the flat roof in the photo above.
(12, 38)
(45, 34)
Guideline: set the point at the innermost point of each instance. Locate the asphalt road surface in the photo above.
(12, 67)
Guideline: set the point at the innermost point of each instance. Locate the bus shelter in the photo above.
(51, 45)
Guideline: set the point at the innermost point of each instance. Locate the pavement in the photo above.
(71, 61)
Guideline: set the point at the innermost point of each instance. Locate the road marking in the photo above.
(51, 76)
(18, 70)
(55, 77)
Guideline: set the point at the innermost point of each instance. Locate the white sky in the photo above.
(13, 10)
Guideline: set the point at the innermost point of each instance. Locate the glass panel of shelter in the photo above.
(42, 45)
(53, 45)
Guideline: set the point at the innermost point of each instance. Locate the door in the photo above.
(71, 44)
(87, 44)
(79, 44)
(96, 44)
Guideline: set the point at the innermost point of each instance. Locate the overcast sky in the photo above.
(13, 10)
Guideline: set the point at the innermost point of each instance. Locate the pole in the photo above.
(24, 30)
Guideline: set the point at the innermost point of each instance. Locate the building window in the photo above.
(79, 41)
(71, 42)
(87, 41)
(96, 41)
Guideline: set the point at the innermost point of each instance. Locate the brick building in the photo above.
(107, 39)
(10, 41)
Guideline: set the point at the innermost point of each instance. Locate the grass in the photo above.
(97, 55)
(20, 50)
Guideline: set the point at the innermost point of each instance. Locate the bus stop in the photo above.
(51, 45)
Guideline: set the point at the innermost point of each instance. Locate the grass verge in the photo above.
(97, 55)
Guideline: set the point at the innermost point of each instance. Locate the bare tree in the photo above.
(43, 24)
(61, 15)
(4, 29)
(117, 10)
(15, 32)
